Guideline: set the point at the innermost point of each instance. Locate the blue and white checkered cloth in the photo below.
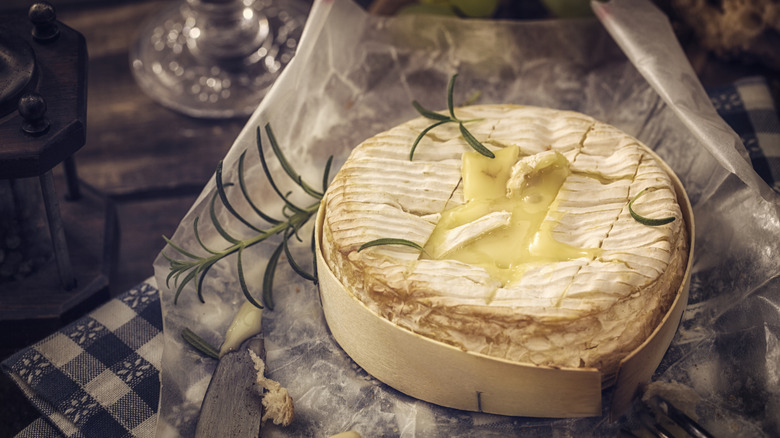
(98, 377)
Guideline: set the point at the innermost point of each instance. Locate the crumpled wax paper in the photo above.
(355, 75)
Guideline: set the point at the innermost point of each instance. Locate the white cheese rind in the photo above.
(588, 311)
(459, 236)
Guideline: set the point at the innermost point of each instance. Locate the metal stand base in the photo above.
(36, 306)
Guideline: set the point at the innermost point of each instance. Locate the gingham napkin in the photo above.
(98, 377)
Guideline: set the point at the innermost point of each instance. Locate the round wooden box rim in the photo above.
(442, 374)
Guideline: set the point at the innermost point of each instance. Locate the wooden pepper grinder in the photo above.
(55, 257)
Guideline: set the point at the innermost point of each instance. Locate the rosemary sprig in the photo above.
(199, 343)
(390, 241)
(189, 266)
(644, 220)
(440, 119)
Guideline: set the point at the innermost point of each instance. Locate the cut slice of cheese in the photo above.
(532, 256)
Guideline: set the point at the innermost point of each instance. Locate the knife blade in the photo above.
(232, 407)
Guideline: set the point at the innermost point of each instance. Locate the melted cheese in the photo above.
(501, 225)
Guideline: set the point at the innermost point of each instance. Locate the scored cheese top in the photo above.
(531, 256)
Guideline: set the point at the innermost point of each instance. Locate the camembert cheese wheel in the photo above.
(531, 256)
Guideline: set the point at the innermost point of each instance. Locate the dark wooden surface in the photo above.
(152, 162)
(149, 161)
(63, 62)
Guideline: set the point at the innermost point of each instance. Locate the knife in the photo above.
(232, 407)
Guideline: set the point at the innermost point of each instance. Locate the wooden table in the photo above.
(152, 162)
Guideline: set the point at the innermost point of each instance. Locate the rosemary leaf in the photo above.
(313, 193)
(292, 207)
(420, 137)
(474, 143)
(450, 89)
(225, 202)
(644, 220)
(173, 262)
(390, 241)
(286, 165)
(242, 281)
(428, 113)
(314, 254)
(215, 221)
(171, 273)
(197, 236)
(294, 230)
(169, 258)
(442, 119)
(288, 212)
(245, 192)
(293, 264)
(270, 178)
(326, 174)
(181, 250)
(199, 343)
(202, 271)
(268, 276)
(190, 275)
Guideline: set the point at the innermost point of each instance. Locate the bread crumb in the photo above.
(277, 403)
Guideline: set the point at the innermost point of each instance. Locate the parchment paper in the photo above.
(355, 75)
